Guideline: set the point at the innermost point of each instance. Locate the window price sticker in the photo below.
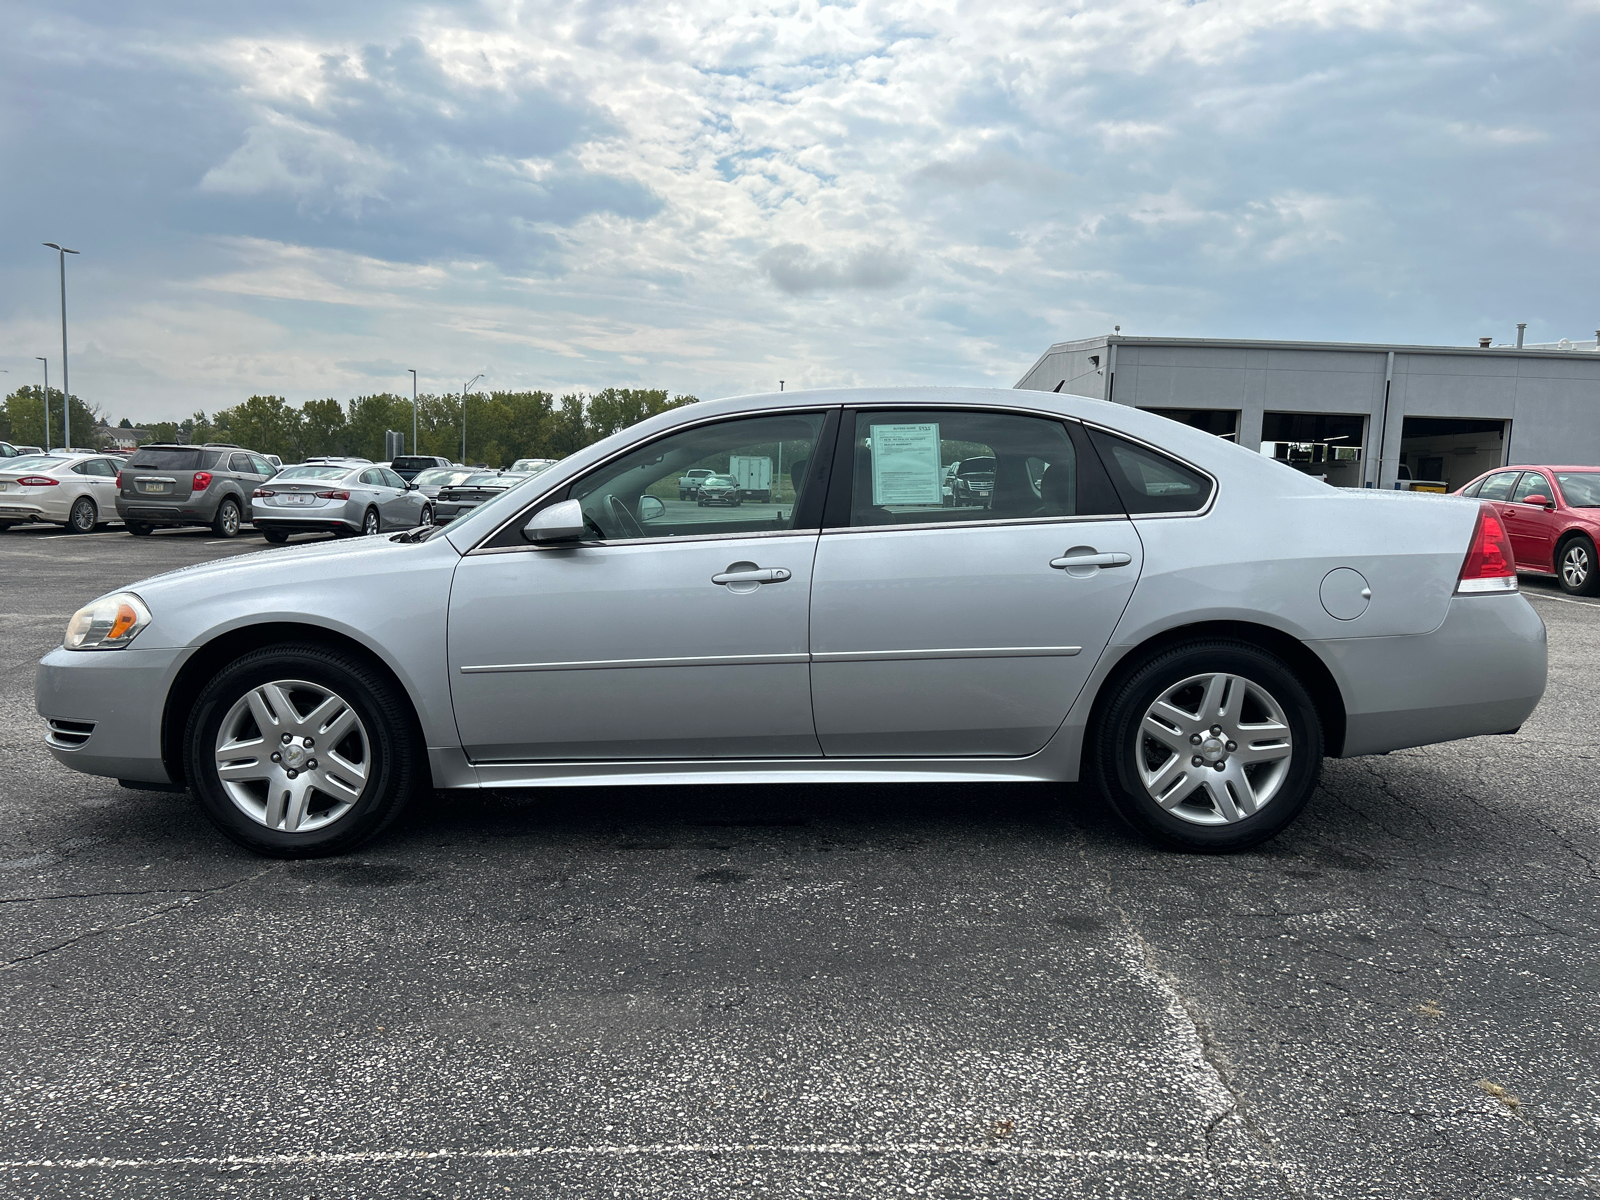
(905, 464)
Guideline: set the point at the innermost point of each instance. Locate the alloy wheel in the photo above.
(1214, 749)
(1575, 566)
(293, 756)
(369, 523)
(229, 519)
(82, 516)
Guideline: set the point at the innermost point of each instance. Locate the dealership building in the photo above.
(1358, 415)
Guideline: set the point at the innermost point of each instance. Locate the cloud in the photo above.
(794, 268)
(295, 197)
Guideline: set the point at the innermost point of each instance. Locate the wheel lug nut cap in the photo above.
(309, 743)
(1197, 760)
(1216, 729)
(311, 765)
(1195, 740)
(293, 772)
(286, 739)
(1220, 765)
(1232, 746)
(277, 758)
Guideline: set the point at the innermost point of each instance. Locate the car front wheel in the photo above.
(1577, 568)
(1209, 746)
(301, 751)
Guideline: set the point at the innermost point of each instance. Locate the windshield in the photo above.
(481, 479)
(328, 472)
(531, 466)
(443, 476)
(1580, 489)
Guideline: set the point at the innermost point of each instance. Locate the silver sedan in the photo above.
(1185, 625)
(337, 497)
(65, 487)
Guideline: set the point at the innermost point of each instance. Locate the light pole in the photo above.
(413, 412)
(464, 388)
(66, 388)
(46, 363)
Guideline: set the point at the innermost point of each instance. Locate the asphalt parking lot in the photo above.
(873, 992)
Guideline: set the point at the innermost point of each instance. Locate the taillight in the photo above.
(333, 495)
(119, 480)
(202, 480)
(1490, 565)
(259, 492)
(37, 481)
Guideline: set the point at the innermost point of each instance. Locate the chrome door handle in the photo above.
(1112, 559)
(759, 575)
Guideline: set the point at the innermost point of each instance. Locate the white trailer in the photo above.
(753, 475)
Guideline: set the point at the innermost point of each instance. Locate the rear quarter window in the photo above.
(1147, 481)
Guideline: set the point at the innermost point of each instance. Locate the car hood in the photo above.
(285, 581)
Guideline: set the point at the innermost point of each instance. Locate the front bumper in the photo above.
(1481, 671)
(121, 694)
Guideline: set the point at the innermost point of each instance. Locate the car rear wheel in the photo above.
(1576, 567)
(5, 525)
(301, 751)
(82, 518)
(426, 516)
(226, 523)
(370, 524)
(276, 536)
(1210, 746)
(139, 530)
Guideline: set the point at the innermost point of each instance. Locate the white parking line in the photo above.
(836, 1149)
(1560, 599)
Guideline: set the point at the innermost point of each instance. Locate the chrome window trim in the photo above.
(995, 522)
(691, 539)
(844, 656)
(801, 657)
(480, 548)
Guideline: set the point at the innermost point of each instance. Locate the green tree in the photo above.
(161, 431)
(617, 408)
(24, 415)
(264, 424)
(370, 417)
(323, 428)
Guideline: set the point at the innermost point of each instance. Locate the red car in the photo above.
(1553, 517)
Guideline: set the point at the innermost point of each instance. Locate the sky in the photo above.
(307, 199)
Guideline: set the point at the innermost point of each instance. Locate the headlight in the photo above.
(110, 623)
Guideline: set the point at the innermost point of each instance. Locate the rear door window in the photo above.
(939, 466)
(1498, 487)
(1148, 481)
(240, 464)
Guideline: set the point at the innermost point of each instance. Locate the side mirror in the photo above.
(1538, 499)
(411, 487)
(561, 522)
(651, 509)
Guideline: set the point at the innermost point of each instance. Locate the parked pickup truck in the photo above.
(689, 483)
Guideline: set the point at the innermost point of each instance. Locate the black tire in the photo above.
(395, 766)
(1575, 567)
(139, 530)
(5, 525)
(276, 536)
(371, 523)
(82, 517)
(226, 523)
(1115, 737)
(425, 518)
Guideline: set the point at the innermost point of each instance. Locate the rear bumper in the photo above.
(27, 510)
(305, 524)
(121, 693)
(179, 512)
(1481, 671)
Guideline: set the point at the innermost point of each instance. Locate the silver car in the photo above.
(64, 487)
(329, 496)
(1184, 624)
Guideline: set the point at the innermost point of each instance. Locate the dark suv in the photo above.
(189, 485)
(409, 466)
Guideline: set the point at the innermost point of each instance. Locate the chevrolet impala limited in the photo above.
(1183, 625)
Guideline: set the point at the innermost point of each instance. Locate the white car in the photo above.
(75, 489)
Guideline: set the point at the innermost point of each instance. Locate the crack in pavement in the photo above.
(191, 896)
(1211, 1053)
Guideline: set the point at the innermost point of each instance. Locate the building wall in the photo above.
(1551, 398)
